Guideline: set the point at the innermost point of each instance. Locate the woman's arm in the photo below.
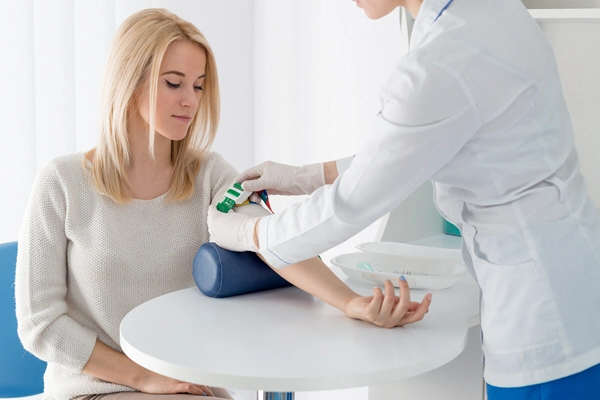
(44, 326)
(384, 308)
(112, 366)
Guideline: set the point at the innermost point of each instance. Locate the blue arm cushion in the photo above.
(223, 273)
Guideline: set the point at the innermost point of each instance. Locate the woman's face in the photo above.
(180, 85)
(376, 9)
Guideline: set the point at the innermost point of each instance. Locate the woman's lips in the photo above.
(183, 118)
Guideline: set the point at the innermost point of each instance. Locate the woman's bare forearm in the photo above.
(314, 277)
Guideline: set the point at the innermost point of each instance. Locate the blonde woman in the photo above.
(112, 228)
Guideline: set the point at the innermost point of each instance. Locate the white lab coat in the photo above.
(477, 107)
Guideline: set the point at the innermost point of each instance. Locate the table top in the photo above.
(288, 340)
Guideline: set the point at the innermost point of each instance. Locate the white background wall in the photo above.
(576, 45)
(319, 66)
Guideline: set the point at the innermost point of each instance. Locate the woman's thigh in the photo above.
(220, 394)
(582, 386)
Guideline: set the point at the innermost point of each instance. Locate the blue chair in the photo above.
(21, 373)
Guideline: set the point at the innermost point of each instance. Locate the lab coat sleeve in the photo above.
(343, 164)
(427, 116)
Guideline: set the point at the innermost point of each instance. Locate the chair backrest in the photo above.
(21, 373)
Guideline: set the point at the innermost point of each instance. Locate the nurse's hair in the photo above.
(135, 57)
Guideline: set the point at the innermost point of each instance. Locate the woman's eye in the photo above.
(198, 88)
(172, 85)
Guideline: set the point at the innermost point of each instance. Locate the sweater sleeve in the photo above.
(44, 325)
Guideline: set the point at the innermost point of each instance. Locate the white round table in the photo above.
(285, 340)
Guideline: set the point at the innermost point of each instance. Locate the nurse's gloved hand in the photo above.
(232, 231)
(283, 179)
(387, 309)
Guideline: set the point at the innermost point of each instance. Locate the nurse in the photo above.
(477, 107)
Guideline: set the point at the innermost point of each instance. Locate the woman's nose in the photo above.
(189, 98)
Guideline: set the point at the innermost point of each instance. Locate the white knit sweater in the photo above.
(85, 261)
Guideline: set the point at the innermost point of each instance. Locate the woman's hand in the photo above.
(113, 366)
(154, 383)
(388, 310)
(158, 384)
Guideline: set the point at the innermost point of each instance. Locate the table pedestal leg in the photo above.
(275, 395)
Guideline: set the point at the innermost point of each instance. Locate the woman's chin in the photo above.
(174, 134)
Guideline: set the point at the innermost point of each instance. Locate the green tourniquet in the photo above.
(226, 205)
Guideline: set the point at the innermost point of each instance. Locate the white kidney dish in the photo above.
(420, 273)
(412, 251)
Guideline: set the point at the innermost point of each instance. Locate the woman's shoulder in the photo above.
(212, 158)
(215, 175)
(59, 176)
(67, 162)
(63, 167)
(213, 163)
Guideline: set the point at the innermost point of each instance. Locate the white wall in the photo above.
(576, 44)
(319, 66)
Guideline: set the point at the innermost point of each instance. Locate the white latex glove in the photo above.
(232, 231)
(283, 179)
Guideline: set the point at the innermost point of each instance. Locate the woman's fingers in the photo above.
(413, 306)
(387, 304)
(388, 310)
(419, 313)
(206, 390)
(406, 311)
(403, 305)
(375, 305)
(199, 390)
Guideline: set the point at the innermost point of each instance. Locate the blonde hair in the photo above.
(135, 56)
